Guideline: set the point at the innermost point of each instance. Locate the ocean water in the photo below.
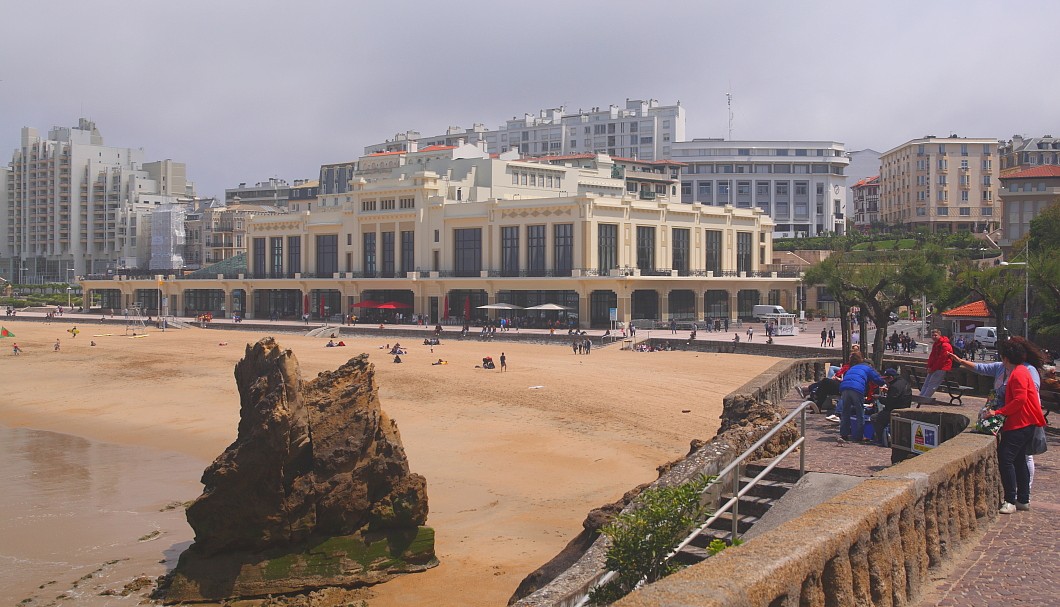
(81, 519)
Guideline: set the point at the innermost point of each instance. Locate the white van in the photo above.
(987, 336)
(760, 312)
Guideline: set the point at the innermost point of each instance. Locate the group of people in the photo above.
(582, 346)
(828, 337)
(901, 342)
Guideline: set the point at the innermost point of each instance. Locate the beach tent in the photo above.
(549, 306)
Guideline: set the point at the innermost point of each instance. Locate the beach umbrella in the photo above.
(393, 305)
(500, 306)
(367, 303)
(549, 306)
(305, 304)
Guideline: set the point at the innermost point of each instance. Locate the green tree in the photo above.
(828, 273)
(996, 286)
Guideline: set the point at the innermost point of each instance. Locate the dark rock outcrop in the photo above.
(315, 491)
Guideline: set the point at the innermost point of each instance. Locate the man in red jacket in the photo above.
(938, 363)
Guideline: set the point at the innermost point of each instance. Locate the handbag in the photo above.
(990, 425)
(1038, 444)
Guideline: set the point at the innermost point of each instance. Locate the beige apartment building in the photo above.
(943, 184)
(444, 230)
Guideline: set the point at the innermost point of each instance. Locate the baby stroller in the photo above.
(487, 363)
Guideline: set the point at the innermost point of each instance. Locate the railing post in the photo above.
(802, 447)
(735, 505)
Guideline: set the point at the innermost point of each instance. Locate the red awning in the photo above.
(368, 303)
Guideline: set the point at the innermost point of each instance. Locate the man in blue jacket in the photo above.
(852, 392)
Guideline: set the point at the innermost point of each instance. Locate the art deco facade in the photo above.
(942, 184)
(449, 229)
(73, 205)
(800, 184)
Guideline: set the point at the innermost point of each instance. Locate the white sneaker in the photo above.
(1006, 508)
(1022, 507)
(833, 418)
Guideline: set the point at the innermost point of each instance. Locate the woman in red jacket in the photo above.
(1023, 412)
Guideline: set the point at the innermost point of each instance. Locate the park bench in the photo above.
(1050, 402)
(955, 390)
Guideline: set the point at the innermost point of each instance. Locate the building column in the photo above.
(664, 304)
(625, 308)
(229, 309)
(734, 305)
(700, 296)
(583, 308)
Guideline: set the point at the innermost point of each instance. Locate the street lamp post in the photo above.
(800, 293)
(1026, 293)
(69, 298)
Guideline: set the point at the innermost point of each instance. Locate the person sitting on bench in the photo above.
(899, 395)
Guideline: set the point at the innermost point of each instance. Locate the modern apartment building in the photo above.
(942, 184)
(274, 192)
(644, 130)
(1021, 153)
(801, 185)
(866, 203)
(72, 205)
(447, 229)
(1024, 195)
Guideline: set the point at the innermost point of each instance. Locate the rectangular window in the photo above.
(294, 254)
(408, 251)
(386, 204)
(277, 255)
(713, 248)
(259, 257)
(563, 248)
(407, 203)
(368, 254)
(986, 211)
(607, 247)
(327, 255)
(680, 242)
(942, 211)
(743, 251)
(646, 247)
(467, 244)
(509, 250)
(965, 211)
(706, 192)
(388, 254)
(535, 250)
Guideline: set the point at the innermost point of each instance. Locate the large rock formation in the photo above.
(315, 491)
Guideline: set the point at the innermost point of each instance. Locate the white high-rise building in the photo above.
(800, 184)
(641, 130)
(167, 237)
(73, 205)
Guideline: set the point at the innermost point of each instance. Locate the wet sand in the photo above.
(513, 460)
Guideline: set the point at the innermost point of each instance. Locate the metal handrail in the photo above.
(733, 502)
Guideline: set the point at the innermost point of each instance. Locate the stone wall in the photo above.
(872, 545)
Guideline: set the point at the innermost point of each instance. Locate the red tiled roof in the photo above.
(389, 153)
(976, 309)
(867, 181)
(1046, 170)
(437, 148)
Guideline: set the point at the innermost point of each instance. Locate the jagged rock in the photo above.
(315, 491)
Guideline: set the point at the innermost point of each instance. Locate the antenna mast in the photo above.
(728, 96)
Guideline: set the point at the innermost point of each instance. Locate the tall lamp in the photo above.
(801, 286)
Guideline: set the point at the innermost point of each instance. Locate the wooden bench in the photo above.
(954, 389)
(1050, 402)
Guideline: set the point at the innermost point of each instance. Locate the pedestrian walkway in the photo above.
(1016, 559)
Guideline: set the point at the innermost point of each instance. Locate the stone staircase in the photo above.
(752, 507)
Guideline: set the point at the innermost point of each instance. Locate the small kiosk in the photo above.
(783, 324)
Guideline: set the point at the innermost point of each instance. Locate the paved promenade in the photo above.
(1015, 562)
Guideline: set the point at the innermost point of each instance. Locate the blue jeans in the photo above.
(852, 418)
(1012, 463)
(931, 383)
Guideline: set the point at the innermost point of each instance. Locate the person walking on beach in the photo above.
(15, 349)
(939, 362)
(57, 344)
(750, 333)
(504, 362)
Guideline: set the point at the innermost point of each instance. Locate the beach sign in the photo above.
(925, 436)
(5, 333)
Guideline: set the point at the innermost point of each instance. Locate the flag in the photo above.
(5, 333)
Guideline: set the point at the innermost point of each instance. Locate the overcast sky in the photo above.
(242, 91)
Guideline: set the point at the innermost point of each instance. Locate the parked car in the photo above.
(893, 317)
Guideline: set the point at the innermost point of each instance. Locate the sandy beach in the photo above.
(513, 460)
